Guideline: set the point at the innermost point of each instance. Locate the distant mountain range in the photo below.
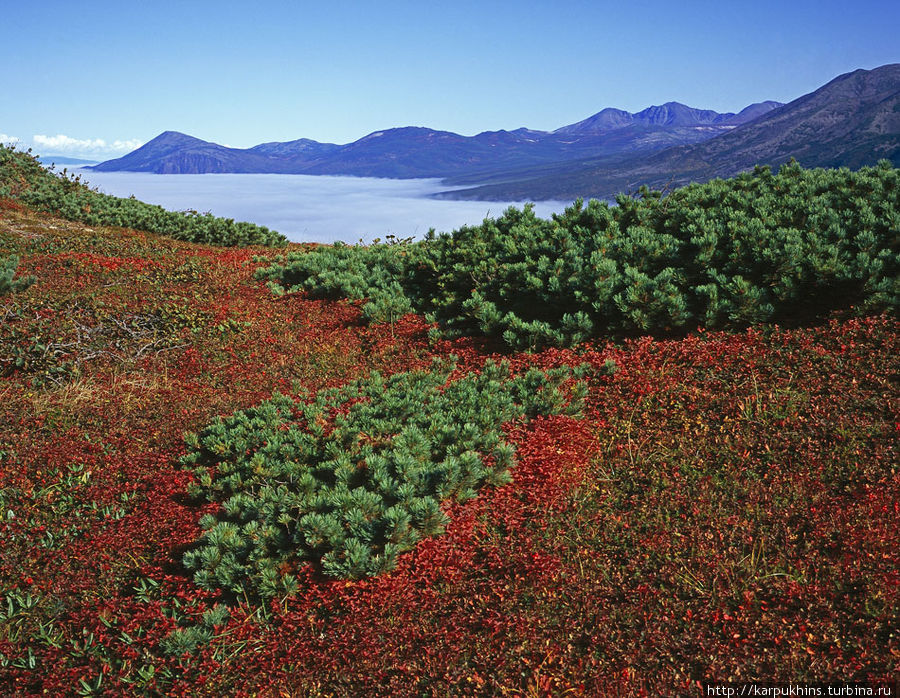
(64, 160)
(422, 152)
(852, 121)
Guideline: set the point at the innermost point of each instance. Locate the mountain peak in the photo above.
(667, 115)
(677, 114)
(416, 151)
(852, 121)
(173, 152)
(173, 137)
(604, 120)
(754, 111)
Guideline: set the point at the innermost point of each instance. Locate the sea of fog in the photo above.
(311, 208)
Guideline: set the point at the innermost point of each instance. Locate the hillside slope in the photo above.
(852, 121)
(725, 508)
(172, 152)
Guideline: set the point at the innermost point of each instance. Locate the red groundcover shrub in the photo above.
(725, 511)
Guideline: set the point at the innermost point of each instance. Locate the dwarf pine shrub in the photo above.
(355, 476)
(8, 282)
(759, 247)
(22, 177)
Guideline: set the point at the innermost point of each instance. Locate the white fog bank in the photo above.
(311, 208)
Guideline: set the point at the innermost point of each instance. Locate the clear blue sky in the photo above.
(243, 73)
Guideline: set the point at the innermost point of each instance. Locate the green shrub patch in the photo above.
(355, 476)
(8, 283)
(23, 178)
(760, 247)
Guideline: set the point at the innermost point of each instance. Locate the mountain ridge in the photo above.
(851, 121)
(415, 151)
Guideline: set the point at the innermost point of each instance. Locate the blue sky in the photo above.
(96, 79)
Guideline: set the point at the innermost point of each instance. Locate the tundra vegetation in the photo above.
(361, 483)
(761, 247)
(25, 179)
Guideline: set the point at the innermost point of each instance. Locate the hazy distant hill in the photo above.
(64, 160)
(422, 152)
(176, 153)
(670, 114)
(852, 121)
(291, 149)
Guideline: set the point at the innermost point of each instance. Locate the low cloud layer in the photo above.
(88, 147)
(311, 209)
(8, 140)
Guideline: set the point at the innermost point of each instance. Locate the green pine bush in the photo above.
(759, 247)
(8, 283)
(22, 177)
(355, 476)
